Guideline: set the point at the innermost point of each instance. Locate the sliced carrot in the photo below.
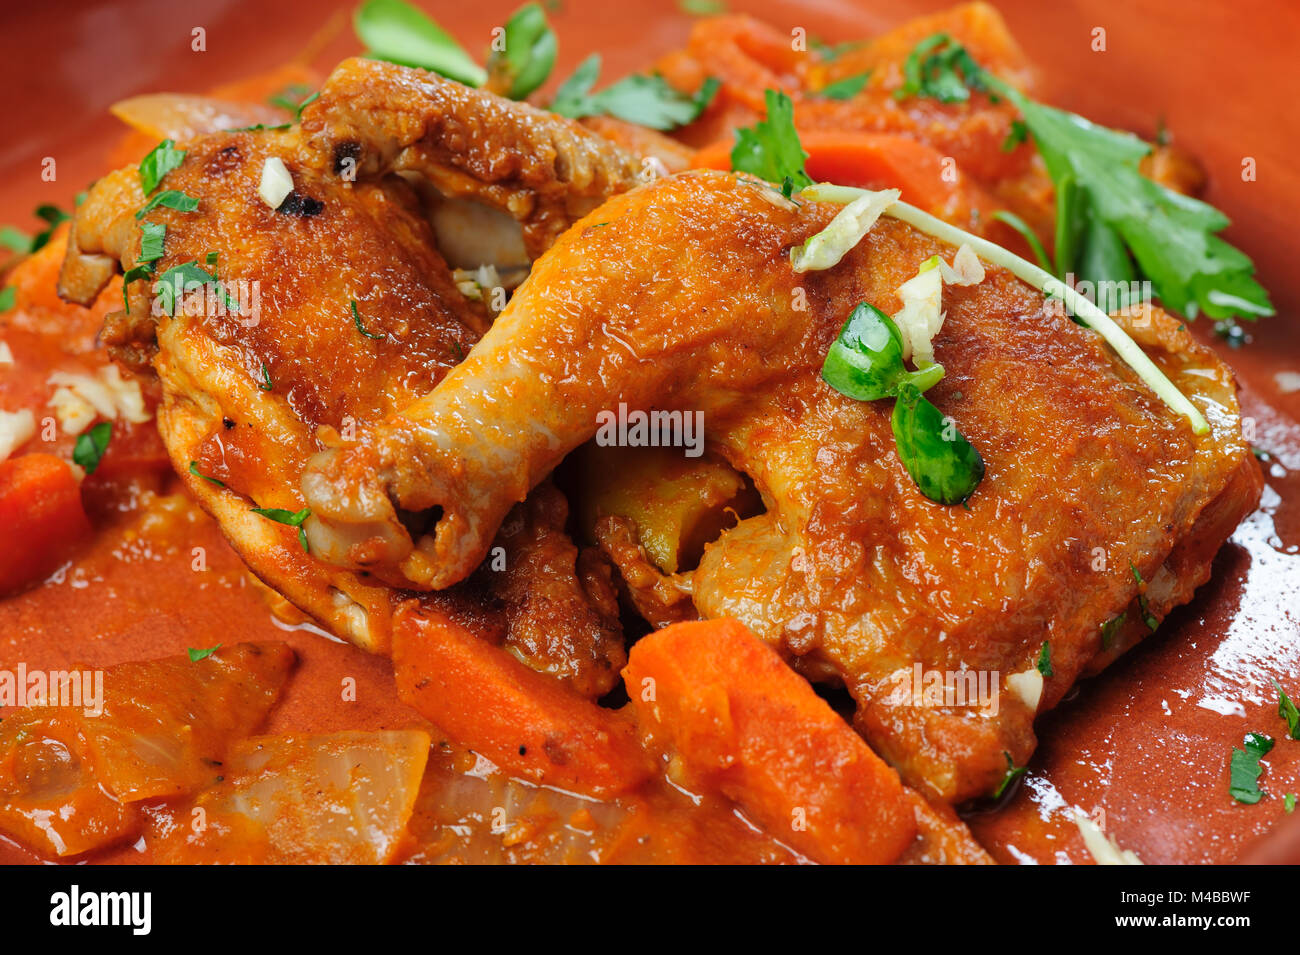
(41, 512)
(525, 722)
(738, 720)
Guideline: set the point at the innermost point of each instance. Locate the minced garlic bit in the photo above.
(1101, 847)
(16, 428)
(6, 356)
(825, 249)
(79, 398)
(1027, 685)
(276, 182)
(922, 315)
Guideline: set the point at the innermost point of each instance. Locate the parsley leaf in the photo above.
(846, 88)
(8, 298)
(289, 519)
(1110, 628)
(1288, 711)
(866, 363)
(52, 216)
(1045, 660)
(91, 445)
(15, 239)
(1245, 769)
(703, 8)
(194, 469)
(173, 284)
(152, 235)
(931, 70)
(197, 655)
(1110, 217)
(169, 199)
(1013, 772)
(770, 149)
(641, 99)
(144, 271)
(528, 54)
(161, 160)
(356, 320)
(1147, 616)
(400, 33)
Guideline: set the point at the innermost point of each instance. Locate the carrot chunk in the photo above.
(41, 512)
(737, 719)
(527, 723)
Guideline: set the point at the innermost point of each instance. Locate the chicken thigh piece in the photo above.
(297, 326)
(680, 295)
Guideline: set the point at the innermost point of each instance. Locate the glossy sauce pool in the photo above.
(1143, 748)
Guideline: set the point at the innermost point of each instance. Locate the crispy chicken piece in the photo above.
(680, 295)
(546, 172)
(334, 311)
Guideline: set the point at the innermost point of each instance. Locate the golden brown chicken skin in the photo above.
(324, 315)
(680, 295)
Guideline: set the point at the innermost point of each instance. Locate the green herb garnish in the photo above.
(8, 298)
(289, 519)
(52, 216)
(770, 149)
(940, 68)
(1016, 135)
(1110, 628)
(356, 320)
(702, 8)
(15, 239)
(1045, 660)
(265, 384)
(1013, 772)
(1245, 769)
(91, 445)
(528, 55)
(194, 469)
(846, 88)
(144, 271)
(1147, 616)
(172, 284)
(400, 33)
(152, 236)
(1112, 222)
(161, 160)
(641, 99)
(1288, 711)
(169, 199)
(197, 655)
(866, 363)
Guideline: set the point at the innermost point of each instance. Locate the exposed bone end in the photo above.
(353, 523)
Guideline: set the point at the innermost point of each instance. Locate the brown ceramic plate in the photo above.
(1147, 743)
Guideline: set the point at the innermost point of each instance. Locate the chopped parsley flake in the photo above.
(1013, 773)
(1045, 660)
(169, 199)
(194, 469)
(1245, 768)
(770, 149)
(197, 655)
(846, 88)
(152, 236)
(289, 519)
(91, 445)
(161, 160)
(1288, 711)
(641, 99)
(356, 320)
